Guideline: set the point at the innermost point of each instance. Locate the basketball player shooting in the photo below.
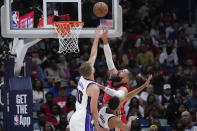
(108, 115)
(85, 117)
(118, 79)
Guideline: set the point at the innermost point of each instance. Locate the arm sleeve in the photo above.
(112, 92)
(108, 56)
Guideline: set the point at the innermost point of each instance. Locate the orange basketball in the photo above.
(100, 9)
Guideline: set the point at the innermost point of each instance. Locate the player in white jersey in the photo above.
(86, 116)
(108, 117)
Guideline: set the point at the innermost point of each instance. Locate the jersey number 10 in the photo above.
(79, 96)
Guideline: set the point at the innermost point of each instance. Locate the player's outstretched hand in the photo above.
(98, 32)
(148, 80)
(132, 118)
(105, 34)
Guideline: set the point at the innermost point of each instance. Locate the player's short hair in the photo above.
(114, 103)
(85, 69)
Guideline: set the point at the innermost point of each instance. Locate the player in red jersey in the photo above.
(118, 79)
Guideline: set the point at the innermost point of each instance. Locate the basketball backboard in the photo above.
(34, 18)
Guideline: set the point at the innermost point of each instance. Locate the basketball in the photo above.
(100, 9)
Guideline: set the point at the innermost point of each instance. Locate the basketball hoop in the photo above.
(68, 33)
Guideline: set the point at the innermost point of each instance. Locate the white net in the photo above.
(68, 33)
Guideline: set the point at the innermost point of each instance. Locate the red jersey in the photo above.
(106, 97)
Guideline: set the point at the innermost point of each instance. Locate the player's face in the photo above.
(123, 74)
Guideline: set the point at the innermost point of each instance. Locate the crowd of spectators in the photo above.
(154, 42)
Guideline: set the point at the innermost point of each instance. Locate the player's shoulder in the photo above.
(113, 122)
(93, 90)
(93, 86)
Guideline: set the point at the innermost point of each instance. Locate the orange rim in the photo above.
(64, 27)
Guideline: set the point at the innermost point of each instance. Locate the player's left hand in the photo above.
(101, 31)
(148, 80)
(98, 31)
(132, 118)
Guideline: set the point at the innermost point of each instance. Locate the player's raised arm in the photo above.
(115, 122)
(133, 93)
(130, 95)
(94, 49)
(108, 54)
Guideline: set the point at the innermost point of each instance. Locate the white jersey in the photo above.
(82, 119)
(104, 117)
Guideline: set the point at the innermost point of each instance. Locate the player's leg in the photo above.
(77, 122)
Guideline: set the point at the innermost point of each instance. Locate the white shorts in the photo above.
(81, 122)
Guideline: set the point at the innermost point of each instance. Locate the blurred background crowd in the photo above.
(157, 40)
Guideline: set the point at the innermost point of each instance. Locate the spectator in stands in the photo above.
(187, 122)
(154, 32)
(61, 99)
(38, 93)
(135, 109)
(38, 73)
(178, 81)
(57, 86)
(152, 108)
(143, 11)
(162, 41)
(49, 102)
(158, 77)
(62, 124)
(154, 128)
(48, 127)
(132, 57)
(54, 115)
(62, 65)
(175, 109)
(122, 60)
(144, 95)
(144, 57)
(169, 59)
(166, 98)
(39, 126)
(41, 56)
(158, 124)
(167, 16)
(52, 72)
(174, 36)
(135, 126)
(180, 109)
(141, 39)
(73, 73)
(70, 104)
(192, 103)
(178, 126)
(49, 56)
